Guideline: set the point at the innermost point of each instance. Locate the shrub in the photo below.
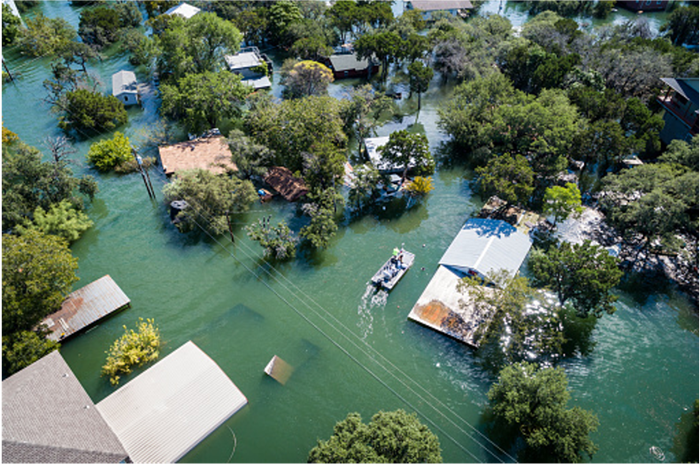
(109, 153)
(62, 220)
(134, 348)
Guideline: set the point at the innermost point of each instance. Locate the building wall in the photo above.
(129, 98)
(679, 116)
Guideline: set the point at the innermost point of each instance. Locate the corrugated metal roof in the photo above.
(243, 60)
(258, 83)
(486, 245)
(183, 9)
(167, 410)
(124, 81)
(86, 306)
(48, 417)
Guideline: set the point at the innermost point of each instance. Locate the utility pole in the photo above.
(146, 182)
(7, 70)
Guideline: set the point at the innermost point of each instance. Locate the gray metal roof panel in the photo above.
(433, 5)
(687, 87)
(347, 62)
(124, 81)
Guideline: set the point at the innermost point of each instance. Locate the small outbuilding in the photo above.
(455, 7)
(207, 153)
(253, 67)
(283, 181)
(125, 87)
(347, 65)
(183, 9)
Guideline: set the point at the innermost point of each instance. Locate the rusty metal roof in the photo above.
(86, 306)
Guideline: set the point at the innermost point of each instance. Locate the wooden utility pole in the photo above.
(146, 182)
(7, 70)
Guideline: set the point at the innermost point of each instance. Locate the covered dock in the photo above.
(167, 410)
(86, 306)
(207, 153)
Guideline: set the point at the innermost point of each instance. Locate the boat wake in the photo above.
(371, 300)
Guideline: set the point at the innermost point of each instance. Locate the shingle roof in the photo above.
(283, 181)
(124, 81)
(48, 417)
(207, 153)
(433, 5)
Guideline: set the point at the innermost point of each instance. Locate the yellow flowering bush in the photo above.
(134, 348)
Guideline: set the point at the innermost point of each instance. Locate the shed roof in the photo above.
(243, 60)
(163, 413)
(124, 81)
(258, 83)
(48, 417)
(434, 5)
(687, 87)
(347, 62)
(207, 153)
(86, 306)
(486, 245)
(283, 181)
(183, 9)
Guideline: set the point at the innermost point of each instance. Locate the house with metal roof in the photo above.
(680, 103)
(183, 9)
(253, 67)
(455, 7)
(373, 146)
(125, 87)
(348, 65)
(86, 306)
(167, 410)
(47, 417)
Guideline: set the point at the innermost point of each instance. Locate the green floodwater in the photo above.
(352, 350)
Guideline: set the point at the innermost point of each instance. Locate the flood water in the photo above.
(352, 350)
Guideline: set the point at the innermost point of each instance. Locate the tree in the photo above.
(63, 220)
(562, 201)
(602, 142)
(363, 188)
(200, 101)
(321, 209)
(92, 112)
(419, 76)
(99, 26)
(384, 46)
(581, 275)
(322, 165)
(420, 186)
(134, 348)
(535, 402)
(281, 15)
(507, 176)
(38, 271)
(405, 149)
(21, 349)
(362, 109)
(10, 26)
(682, 26)
(210, 197)
(107, 154)
(391, 437)
(305, 78)
(251, 159)
(683, 153)
(278, 241)
(45, 36)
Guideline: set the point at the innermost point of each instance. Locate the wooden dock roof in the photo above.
(207, 153)
(86, 306)
(283, 181)
(164, 412)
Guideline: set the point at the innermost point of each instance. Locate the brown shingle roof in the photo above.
(48, 417)
(283, 181)
(209, 153)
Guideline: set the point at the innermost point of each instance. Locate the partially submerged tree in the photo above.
(391, 437)
(562, 201)
(419, 76)
(278, 241)
(535, 401)
(63, 220)
(10, 26)
(321, 208)
(107, 154)
(134, 348)
(251, 159)
(405, 149)
(45, 36)
(508, 176)
(305, 78)
(87, 111)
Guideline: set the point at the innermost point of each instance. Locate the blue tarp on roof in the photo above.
(485, 245)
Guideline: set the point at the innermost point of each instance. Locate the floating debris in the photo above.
(657, 453)
(279, 370)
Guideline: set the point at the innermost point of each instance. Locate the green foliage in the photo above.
(383, 45)
(10, 26)
(581, 275)
(362, 109)
(507, 176)
(251, 159)
(420, 186)
(290, 128)
(278, 241)
(364, 185)
(682, 25)
(518, 322)
(281, 15)
(535, 401)
(45, 36)
(603, 8)
(321, 208)
(199, 101)
(305, 78)
(683, 153)
(419, 77)
(405, 149)
(107, 154)
(62, 220)
(209, 198)
(38, 271)
(23, 348)
(532, 69)
(134, 348)
(562, 201)
(92, 112)
(561, 7)
(195, 45)
(99, 26)
(357, 18)
(391, 437)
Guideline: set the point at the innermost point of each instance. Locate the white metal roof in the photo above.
(258, 83)
(373, 144)
(433, 5)
(243, 60)
(487, 245)
(183, 9)
(124, 82)
(167, 410)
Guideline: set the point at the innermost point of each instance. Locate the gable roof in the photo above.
(124, 81)
(283, 181)
(687, 87)
(48, 417)
(348, 62)
(167, 410)
(207, 153)
(485, 245)
(434, 5)
(183, 9)
(243, 60)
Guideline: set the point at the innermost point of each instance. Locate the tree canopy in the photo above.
(562, 201)
(10, 26)
(305, 78)
(45, 36)
(405, 149)
(507, 176)
(391, 437)
(87, 111)
(107, 154)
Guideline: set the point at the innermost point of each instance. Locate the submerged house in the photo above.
(183, 9)
(680, 103)
(125, 87)
(373, 146)
(454, 7)
(283, 181)
(347, 65)
(208, 153)
(253, 67)
(482, 246)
